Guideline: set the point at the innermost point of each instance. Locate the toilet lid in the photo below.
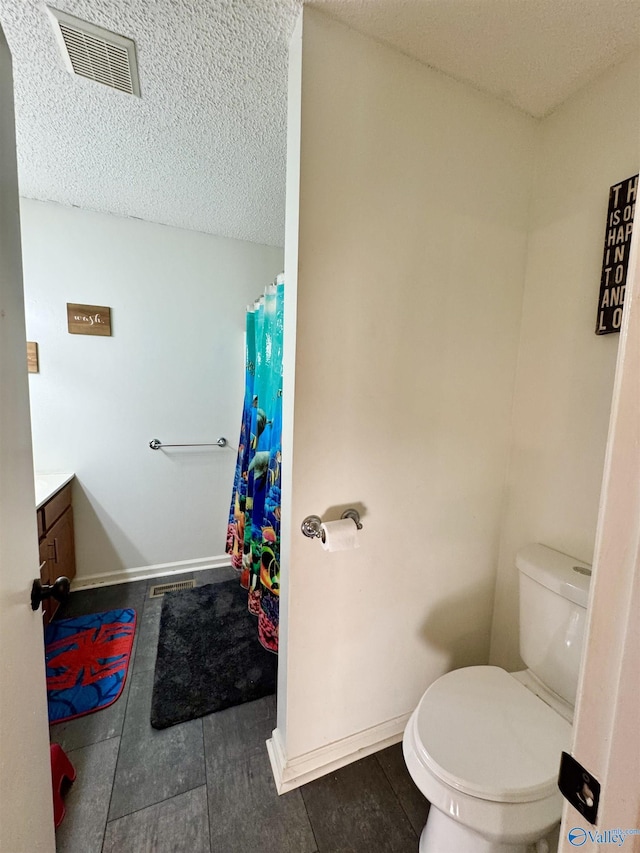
(483, 733)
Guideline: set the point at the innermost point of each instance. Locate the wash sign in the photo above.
(615, 263)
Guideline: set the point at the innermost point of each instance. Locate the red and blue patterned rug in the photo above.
(87, 658)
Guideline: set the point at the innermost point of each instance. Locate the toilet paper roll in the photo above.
(340, 535)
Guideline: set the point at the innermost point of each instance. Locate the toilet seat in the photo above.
(485, 734)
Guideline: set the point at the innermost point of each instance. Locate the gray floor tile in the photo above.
(178, 825)
(415, 805)
(356, 811)
(124, 595)
(225, 573)
(153, 606)
(147, 638)
(156, 765)
(104, 598)
(80, 602)
(137, 719)
(92, 728)
(87, 801)
(207, 785)
(246, 815)
(239, 731)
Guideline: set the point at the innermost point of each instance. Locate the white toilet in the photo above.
(484, 744)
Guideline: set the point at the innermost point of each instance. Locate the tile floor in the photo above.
(206, 786)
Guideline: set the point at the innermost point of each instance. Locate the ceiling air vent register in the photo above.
(96, 53)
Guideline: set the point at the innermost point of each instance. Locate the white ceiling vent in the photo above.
(95, 53)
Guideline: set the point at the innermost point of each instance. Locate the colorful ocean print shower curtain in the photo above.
(253, 536)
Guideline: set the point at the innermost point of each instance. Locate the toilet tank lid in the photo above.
(558, 572)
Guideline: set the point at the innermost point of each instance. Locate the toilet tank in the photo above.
(554, 590)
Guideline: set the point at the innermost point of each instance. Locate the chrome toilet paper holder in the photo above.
(312, 524)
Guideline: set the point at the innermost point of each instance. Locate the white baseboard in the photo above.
(305, 768)
(160, 570)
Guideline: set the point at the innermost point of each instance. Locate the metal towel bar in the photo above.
(156, 444)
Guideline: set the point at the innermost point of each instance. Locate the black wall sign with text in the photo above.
(617, 244)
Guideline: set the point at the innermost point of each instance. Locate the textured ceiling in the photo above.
(531, 53)
(204, 148)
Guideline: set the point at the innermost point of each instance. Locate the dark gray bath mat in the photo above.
(209, 655)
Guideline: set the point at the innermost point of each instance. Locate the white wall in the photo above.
(172, 370)
(413, 209)
(565, 372)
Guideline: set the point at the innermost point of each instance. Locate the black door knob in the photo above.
(58, 590)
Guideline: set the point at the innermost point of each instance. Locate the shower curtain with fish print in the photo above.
(253, 535)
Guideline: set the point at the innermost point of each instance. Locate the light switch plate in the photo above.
(579, 787)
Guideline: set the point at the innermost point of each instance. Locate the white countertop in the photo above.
(48, 484)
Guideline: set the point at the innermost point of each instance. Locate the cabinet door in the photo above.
(48, 605)
(62, 550)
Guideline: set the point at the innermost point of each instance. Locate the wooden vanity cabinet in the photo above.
(57, 549)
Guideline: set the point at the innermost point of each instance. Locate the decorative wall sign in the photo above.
(617, 244)
(32, 357)
(88, 319)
